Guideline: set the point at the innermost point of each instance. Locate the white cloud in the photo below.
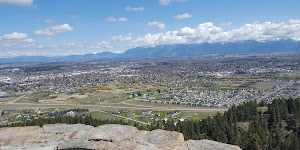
(183, 16)
(16, 37)
(121, 38)
(49, 21)
(17, 2)
(13, 36)
(158, 39)
(16, 44)
(292, 21)
(122, 19)
(113, 19)
(69, 44)
(134, 8)
(208, 32)
(54, 30)
(105, 44)
(167, 2)
(157, 25)
(15, 40)
(225, 24)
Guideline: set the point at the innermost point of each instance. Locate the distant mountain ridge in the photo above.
(177, 50)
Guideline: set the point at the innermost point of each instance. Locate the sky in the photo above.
(68, 27)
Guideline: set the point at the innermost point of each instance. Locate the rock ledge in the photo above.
(105, 137)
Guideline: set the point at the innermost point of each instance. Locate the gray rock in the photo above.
(167, 139)
(63, 128)
(210, 145)
(19, 135)
(86, 145)
(105, 137)
(53, 147)
(111, 132)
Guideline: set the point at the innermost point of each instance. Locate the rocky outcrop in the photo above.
(211, 145)
(105, 137)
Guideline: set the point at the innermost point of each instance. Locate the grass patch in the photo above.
(244, 125)
(262, 109)
(51, 109)
(92, 98)
(6, 99)
(34, 97)
(264, 85)
(199, 116)
(15, 119)
(101, 115)
(117, 100)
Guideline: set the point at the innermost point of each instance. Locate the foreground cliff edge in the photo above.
(105, 137)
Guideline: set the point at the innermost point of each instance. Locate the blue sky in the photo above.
(65, 27)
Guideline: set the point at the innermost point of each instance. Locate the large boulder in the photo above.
(86, 145)
(112, 133)
(63, 128)
(105, 137)
(210, 145)
(167, 139)
(15, 136)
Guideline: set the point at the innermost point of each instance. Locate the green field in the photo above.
(199, 116)
(34, 97)
(101, 115)
(6, 99)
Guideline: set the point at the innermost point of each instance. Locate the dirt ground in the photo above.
(264, 85)
(62, 98)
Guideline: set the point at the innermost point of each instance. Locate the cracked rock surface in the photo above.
(105, 137)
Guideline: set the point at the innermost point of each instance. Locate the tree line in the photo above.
(269, 126)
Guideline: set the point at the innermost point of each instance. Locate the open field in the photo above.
(170, 106)
(6, 99)
(264, 85)
(263, 109)
(200, 116)
(101, 115)
(76, 98)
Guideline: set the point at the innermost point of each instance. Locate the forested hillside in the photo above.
(250, 126)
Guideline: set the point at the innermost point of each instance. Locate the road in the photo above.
(125, 102)
(121, 107)
(13, 101)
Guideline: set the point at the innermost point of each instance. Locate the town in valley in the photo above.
(145, 90)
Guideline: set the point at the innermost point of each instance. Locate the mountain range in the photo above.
(176, 50)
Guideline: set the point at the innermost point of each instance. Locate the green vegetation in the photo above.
(101, 115)
(199, 116)
(117, 100)
(6, 99)
(37, 96)
(92, 98)
(249, 127)
(50, 109)
(15, 119)
(88, 120)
